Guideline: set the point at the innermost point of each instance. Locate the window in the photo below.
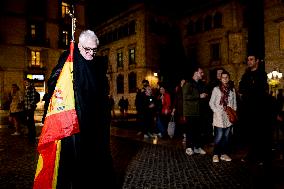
(198, 25)
(65, 37)
(207, 23)
(120, 84)
(217, 20)
(65, 9)
(35, 57)
(215, 52)
(190, 28)
(132, 56)
(119, 60)
(132, 27)
(132, 84)
(33, 30)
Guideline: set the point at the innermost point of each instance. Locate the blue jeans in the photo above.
(221, 141)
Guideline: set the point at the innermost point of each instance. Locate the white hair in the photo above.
(87, 35)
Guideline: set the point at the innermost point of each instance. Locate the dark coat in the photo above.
(85, 157)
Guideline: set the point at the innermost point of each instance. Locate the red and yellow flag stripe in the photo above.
(61, 121)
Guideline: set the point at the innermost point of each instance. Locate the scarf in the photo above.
(224, 95)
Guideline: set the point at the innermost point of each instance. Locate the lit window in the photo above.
(119, 60)
(65, 9)
(35, 58)
(65, 37)
(33, 30)
(131, 56)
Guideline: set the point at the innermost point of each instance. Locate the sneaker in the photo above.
(16, 134)
(189, 151)
(215, 159)
(225, 157)
(199, 151)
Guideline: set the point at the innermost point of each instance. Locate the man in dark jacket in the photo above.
(253, 89)
(85, 158)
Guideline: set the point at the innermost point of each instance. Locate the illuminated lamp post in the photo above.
(274, 78)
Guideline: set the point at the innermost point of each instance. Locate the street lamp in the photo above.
(274, 78)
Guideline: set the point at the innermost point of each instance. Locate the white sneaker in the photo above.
(215, 159)
(189, 151)
(16, 134)
(225, 157)
(199, 151)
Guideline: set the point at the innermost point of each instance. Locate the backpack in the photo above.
(37, 97)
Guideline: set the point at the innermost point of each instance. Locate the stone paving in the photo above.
(140, 164)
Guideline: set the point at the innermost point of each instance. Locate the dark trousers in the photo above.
(31, 125)
(193, 132)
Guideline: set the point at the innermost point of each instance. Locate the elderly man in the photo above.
(85, 158)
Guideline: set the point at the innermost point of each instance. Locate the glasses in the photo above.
(88, 49)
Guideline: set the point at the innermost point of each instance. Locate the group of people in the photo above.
(201, 108)
(123, 104)
(22, 108)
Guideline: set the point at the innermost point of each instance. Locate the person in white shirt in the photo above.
(223, 96)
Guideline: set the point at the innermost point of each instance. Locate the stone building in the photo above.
(136, 43)
(33, 34)
(213, 36)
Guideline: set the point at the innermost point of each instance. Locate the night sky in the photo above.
(101, 10)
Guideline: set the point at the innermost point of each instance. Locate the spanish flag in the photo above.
(61, 121)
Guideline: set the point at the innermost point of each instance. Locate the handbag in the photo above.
(232, 114)
(171, 127)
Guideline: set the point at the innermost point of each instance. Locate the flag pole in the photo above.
(71, 14)
(73, 25)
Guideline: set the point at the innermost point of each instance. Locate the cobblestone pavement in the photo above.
(143, 164)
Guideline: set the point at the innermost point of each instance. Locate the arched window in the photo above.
(190, 28)
(208, 23)
(120, 84)
(198, 26)
(132, 84)
(218, 20)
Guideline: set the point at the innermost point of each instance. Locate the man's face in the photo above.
(252, 62)
(26, 83)
(88, 50)
(200, 73)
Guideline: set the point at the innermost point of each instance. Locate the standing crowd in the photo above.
(200, 110)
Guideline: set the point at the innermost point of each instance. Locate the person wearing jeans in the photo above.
(223, 96)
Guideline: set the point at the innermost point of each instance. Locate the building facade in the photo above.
(133, 41)
(216, 36)
(211, 36)
(33, 34)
